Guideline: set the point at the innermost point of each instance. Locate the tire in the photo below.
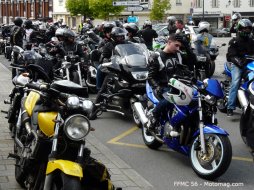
(211, 69)
(150, 141)
(243, 128)
(201, 76)
(136, 119)
(212, 167)
(62, 181)
(19, 172)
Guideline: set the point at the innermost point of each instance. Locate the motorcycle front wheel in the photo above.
(150, 140)
(61, 181)
(216, 161)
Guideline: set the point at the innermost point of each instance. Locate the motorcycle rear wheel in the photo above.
(217, 160)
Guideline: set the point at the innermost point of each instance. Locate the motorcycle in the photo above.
(242, 93)
(191, 127)
(125, 82)
(205, 59)
(50, 138)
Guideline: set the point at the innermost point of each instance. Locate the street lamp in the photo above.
(203, 11)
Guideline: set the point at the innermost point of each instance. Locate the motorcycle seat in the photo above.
(70, 87)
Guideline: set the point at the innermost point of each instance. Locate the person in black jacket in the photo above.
(17, 33)
(16, 39)
(118, 37)
(148, 34)
(132, 35)
(162, 66)
(238, 47)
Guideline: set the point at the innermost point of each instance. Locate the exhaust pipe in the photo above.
(242, 99)
(138, 108)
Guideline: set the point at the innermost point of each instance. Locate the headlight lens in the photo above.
(87, 105)
(73, 102)
(140, 75)
(76, 127)
(210, 99)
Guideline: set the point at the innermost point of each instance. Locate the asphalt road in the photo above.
(166, 169)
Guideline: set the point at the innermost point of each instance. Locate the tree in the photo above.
(103, 9)
(76, 7)
(158, 9)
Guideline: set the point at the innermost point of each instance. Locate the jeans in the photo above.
(99, 78)
(162, 107)
(236, 74)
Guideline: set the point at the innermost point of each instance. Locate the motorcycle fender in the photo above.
(67, 167)
(212, 129)
(30, 102)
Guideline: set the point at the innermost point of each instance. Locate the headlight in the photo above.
(73, 102)
(87, 105)
(210, 99)
(76, 127)
(140, 75)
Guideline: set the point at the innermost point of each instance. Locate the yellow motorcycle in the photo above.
(51, 130)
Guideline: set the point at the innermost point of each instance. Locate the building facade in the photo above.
(30, 9)
(219, 12)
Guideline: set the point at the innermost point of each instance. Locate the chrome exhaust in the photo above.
(138, 108)
(242, 99)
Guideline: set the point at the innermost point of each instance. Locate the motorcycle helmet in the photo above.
(69, 34)
(191, 23)
(171, 18)
(118, 35)
(180, 94)
(244, 28)
(18, 21)
(28, 24)
(147, 23)
(107, 27)
(236, 16)
(203, 26)
(132, 28)
(59, 32)
(119, 24)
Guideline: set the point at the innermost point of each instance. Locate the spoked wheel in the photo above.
(217, 159)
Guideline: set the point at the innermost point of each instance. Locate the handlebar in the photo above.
(38, 87)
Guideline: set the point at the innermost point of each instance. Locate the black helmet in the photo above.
(107, 27)
(18, 21)
(28, 24)
(244, 27)
(132, 28)
(118, 34)
(69, 33)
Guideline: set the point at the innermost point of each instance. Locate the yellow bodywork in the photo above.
(68, 167)
(46, 123)
(45, 119)
(30, 102)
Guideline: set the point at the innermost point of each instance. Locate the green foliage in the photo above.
(158, 9)
(76, 7)
(103, 9)
(93, 8)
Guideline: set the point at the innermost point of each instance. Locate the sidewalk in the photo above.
(122, 174)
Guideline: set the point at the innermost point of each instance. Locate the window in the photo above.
(198, 3)
(236, 3)
(178, 2)
(251, 3)
(144, 1)
(215, 3)
(60, 2)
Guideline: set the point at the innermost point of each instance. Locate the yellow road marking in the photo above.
(116, 140)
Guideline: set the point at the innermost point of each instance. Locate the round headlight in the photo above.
(76, 127)
(73, 102)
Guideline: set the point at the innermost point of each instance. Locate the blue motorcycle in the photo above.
(242, 94)
(189, 126)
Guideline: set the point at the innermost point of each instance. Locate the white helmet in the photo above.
(202, 26)
(59, 32)
(148, 23)
(184, 96)
(171, 18)
(236, 16)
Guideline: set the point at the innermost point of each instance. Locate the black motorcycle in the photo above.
(124, 84)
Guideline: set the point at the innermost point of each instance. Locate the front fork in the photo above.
(201, 126)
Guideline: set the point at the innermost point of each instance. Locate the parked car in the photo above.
(224, 32)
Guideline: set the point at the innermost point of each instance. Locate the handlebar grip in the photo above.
(37, 86)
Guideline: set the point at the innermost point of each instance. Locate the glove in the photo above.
(158, 91)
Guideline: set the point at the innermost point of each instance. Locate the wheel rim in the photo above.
(147, 138)
(135, 117)
(211, 162)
